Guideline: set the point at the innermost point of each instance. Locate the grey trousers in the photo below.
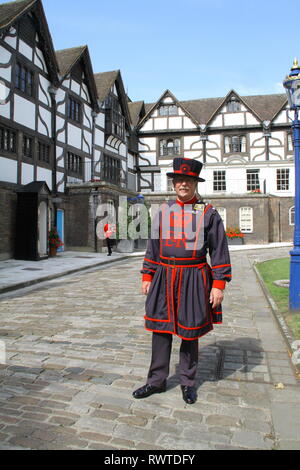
(160, 361)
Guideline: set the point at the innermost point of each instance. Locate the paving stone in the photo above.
(68, 382)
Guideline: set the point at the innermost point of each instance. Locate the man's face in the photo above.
(185, 187)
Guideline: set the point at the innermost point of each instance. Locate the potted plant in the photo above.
(234, 236)
(54, 241)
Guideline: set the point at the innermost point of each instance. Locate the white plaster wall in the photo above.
(44, 175)
(12, 41)
(217, 121)
(167, 100)
(282, 117)
(123, 150)
(39, 60)
(5, 58)
(25, 50)
(84, 93)
(251, 120)
(74, 136)
(24, 112)
(43, 90)
(45, 124)
(87, 118)
(175, 122)
(256, 139)
(100, 120)
(151, 157)
(8, 170)
(234, 119)
(160, 123)
(213, 141)
(99, 138)
(148, 126)
(27, 173)
(188, 124)
(75, 86)
(5, 110)
(87, 142)
(192, 142)
(60, 97)
(61, 137)
(147, 143)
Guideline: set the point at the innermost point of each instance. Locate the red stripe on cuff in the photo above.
(219, 284)
(147, 277)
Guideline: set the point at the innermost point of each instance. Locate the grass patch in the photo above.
(275, 270)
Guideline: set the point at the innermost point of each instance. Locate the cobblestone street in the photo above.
(76, 349)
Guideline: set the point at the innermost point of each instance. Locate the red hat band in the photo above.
(186, 170)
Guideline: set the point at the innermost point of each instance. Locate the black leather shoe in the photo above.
(189, 394)
(148, 390)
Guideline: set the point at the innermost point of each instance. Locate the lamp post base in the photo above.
(294, 297)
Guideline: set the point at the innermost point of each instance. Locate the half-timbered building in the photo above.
(71, 139)
(245, 144)
(61, 124)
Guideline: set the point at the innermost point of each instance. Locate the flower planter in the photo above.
(52, 251)
(235, 241)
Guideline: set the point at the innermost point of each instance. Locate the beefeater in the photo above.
(184, 293)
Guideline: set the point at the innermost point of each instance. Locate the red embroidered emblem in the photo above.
(185, 168)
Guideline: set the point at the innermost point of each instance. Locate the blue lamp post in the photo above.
(292, 86)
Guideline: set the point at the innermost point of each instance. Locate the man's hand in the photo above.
(216, 297)
(146, 286)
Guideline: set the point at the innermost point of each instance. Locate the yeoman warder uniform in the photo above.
(181, 281)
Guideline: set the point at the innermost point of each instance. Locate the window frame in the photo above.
(10, 138)
(22, 73)
(233, 103)
(165, 110)
(174, 150)
(74, 109)
(219, 178)
(281, 179)
(253, 183)
(229, 146)
(76, 166)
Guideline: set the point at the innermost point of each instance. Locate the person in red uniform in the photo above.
(108, 232)
(184, 293)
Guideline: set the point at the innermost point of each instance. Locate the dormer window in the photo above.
(233, 105)
(168, 110)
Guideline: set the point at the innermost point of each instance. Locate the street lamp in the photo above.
(292, 86)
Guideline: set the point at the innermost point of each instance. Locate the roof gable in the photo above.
(11, 13)
(68, 59)
(151, 108)
(104, 83)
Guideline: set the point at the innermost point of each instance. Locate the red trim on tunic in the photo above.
(221, 266)
(151, 261)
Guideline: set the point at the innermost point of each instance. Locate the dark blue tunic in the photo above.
(178, 299)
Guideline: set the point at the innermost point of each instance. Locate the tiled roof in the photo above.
(135, 109)
(266, 107)
(10, 11)
(66, 58)
(104, 82)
